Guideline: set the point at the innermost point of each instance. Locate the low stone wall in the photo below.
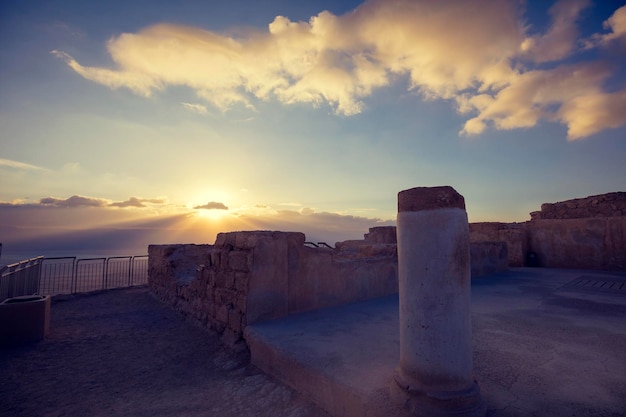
(593, 243)
(514, 235)
(603, 205)
(249, 277)
(488, 258)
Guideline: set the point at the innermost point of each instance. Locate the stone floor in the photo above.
(123, 353)
(547, 342)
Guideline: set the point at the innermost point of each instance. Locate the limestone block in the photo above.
(488, 258)
(384, 234)
(215, 259)
(240, 303)
(241, 282)
(514, 234)
(234, 320)
(239, 260)
(592, 243)
(222, 314)
(225, 279)
(231, 337)
(225, 296)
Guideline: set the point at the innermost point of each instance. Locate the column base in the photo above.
(467, 403)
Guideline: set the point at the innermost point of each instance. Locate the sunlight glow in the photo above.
(212, 214)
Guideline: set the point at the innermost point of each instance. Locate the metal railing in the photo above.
(70, 275)
(21, 278)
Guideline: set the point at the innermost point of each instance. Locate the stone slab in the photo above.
(538, 350)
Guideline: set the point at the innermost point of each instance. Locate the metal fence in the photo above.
(21, 278)
(70, 275)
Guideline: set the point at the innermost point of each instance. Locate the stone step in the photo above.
(342, 358)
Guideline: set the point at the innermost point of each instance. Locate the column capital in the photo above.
(429, 198)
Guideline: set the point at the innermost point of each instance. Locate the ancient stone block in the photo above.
(215, 259)
(488, 258)
(240, 303)
(234, 320)
(231, 337)
(224, 257)
(239, 260)
(383, 234)
(241, 282)
(225, 239)
(225, 279)
(222, 314)
(225, 296)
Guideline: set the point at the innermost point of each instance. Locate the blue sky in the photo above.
(305, 116)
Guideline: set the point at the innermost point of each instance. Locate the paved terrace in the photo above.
(122, 353)
(546, 343)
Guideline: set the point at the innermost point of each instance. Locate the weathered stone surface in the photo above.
(429, 198)
(603, 205)
(558, 237)
(383, 234)
(434, 376)
(234, 320)
(267, 274)
(238, 260)
(593, 243)
(514, 235)
(488, 258)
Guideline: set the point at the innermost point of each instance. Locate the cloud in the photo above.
(20, 165)
(479, 55)
(569, 94)
(140, 83)
(82, 201)
(212, 205)
(138, 202)
(616, 25)
(73, 201)
(560, 39)
(196, 108)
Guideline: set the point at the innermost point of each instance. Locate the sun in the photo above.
(211, 214)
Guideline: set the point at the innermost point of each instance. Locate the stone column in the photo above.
(434, 377)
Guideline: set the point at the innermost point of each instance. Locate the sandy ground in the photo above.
(123, 353)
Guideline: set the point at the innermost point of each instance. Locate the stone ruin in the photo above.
(583, 233)
(604, 205)
(248, 277)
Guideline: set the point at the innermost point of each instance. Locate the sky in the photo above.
(128, 123)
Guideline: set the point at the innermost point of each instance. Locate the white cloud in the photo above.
(477, 54)
(196, 108)
(568, 94)
(20, 165)
(560, 39)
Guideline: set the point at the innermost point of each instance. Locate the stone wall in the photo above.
(584, 233)
(604, 205)
(249, 277)
(205, 283)
(514, 235)
(488, 258)
(593, 243)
